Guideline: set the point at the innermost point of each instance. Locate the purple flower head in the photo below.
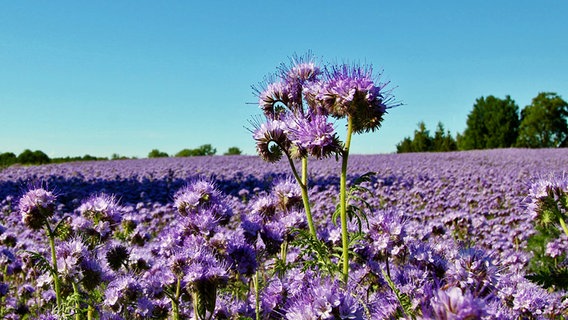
(122, 291)
(271, 139)
(301, 69)
(314, 135)
(454, 304)
(323, 299)
(274, 99)
(288, 193)
(241, 255)
(351, 91)
(102, 208)
(36, 206)
(70, 254)
(549, 200)
(387, 232)
(557, 247)
(203, 206)
(473, 269)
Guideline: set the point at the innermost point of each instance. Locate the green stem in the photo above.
(90, 311)
(305, 199)
(175, 300)
(77, 305)
(343, 200)
(51, 237)
(256, 296)
(563, 224)
(303, 182)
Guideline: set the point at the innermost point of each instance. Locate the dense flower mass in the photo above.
(444, 238)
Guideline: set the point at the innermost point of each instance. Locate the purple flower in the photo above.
(352, 91)
(36, 206)
(271, 140)
(454, 304)
(102, 208)
(314, 135)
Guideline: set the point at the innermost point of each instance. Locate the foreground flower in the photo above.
(36, 206)
(351, 91)
(314, 135)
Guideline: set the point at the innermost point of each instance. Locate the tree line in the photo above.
(37, 157)
(497, 123)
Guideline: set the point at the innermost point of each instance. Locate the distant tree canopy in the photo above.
(155, 153)
(423, 142)
(203, 150)
(543, 122)
(233, 151)
(493, 123)
(32, 157)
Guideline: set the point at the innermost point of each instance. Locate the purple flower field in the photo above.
(225, 237)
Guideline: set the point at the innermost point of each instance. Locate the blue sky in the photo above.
(104, 77)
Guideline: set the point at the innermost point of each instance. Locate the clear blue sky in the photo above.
(104, 77)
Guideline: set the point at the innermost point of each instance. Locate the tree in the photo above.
(155, 153)
(493, 123)
(203, 150)
(443, 141)
(422, 141)
(232, 151)
(7, 159)
(33, 157)
(543, 122)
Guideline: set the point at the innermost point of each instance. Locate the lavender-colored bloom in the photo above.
(323, 299)
(271, 140)
(314, 135)
(102, 207)
(122, 291)
(288, 193)
(557, 247)
(453, 304)
(473, 269)
(36, 206)
(352, 91)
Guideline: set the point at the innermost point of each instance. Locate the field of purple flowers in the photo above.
(226, 237)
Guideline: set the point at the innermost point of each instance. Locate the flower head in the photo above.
(36, 206)
(314, 135)
(351, 91)
(454, 304)
(271, 140)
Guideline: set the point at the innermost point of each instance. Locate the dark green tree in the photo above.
(185, 153)
(493, 123)
(443, 141)
(155, 153)
(422, 141)
(7, 159)
(233, 151)
(404, 146)
(33, 157)
(205, 150)
(543, 122)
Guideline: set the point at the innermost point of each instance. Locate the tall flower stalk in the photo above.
(37, 206)
(298, 102)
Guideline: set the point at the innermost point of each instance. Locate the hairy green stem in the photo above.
(77, 304)
(303, 182)
(256, 295)
(175, 300)
(343, 201)
(305, 198)
(563, 224)
(51, 236)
